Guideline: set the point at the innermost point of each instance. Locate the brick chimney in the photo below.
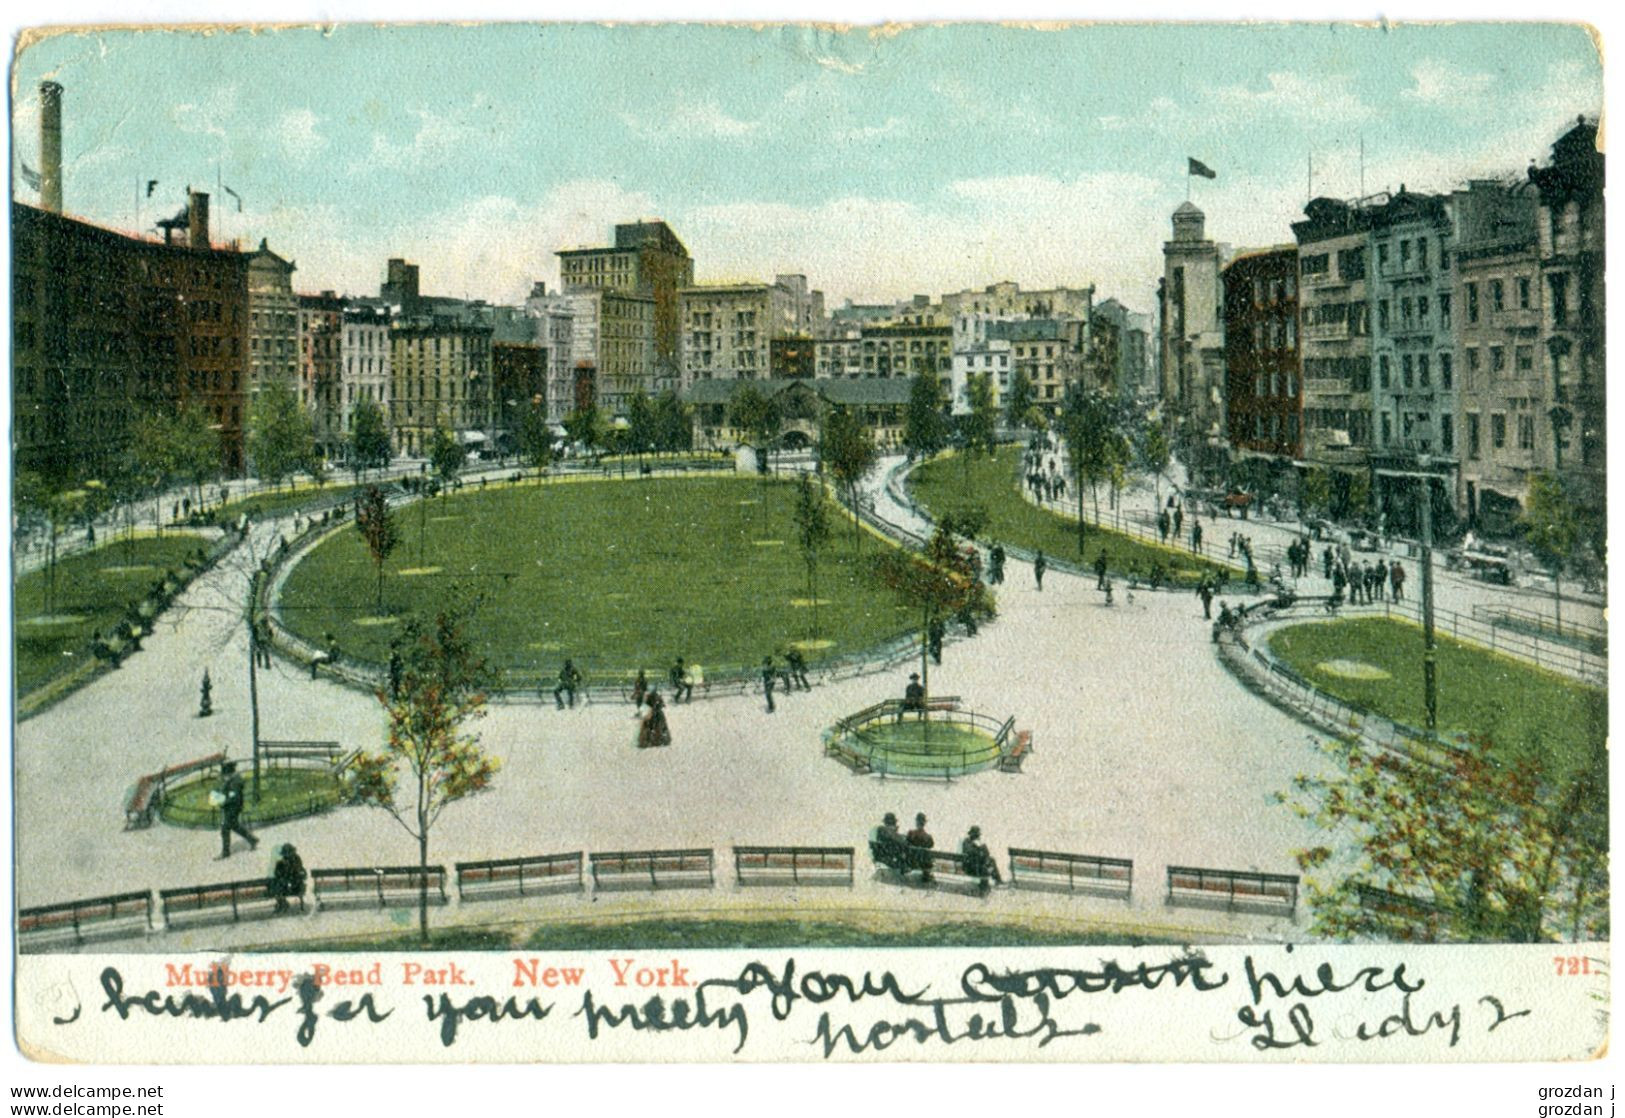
(50, 146)
(197, 219)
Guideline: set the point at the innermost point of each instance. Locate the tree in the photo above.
(1551, 525)
(943, 583)
(446, 455)
(846, 449)
(673, 430)
(640, 424)
(369, 438)
(40, 506)
(1021, 403)
(195, 448)
(1094, 443)
(535, 436)
(812, 532)
(759, 416)
(586, 426)
(1470, 846)
(1154, 455)
(980, 425)
(152, 449)
(281, 434)
(925, 423)
(1315, 494)
(428, 748)
(376, 522)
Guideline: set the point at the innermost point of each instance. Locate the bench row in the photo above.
(132, 913)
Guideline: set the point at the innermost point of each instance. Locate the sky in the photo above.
(879, 163)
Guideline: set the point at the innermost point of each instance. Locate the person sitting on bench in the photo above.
(887, 845)
(979, 861)
(920, 841)
(913, 697)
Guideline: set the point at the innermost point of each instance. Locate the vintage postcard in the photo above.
(553, 542)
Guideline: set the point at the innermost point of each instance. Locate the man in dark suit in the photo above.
(230, 795)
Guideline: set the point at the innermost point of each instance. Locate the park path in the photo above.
(1144, 747)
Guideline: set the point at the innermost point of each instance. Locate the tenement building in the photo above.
(1263, 385)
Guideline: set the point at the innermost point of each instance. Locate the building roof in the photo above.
(834, 390)
(1187, 207)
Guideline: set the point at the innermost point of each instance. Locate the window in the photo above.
(1525, 358)
(1382, 260)
(1498, 430)
(1526, 432)
(1405, 313)
(1405, 369)
(1351, 263)
(1382, 315)
(1422, 310)
(1422, 253)
(1447, 434)
(1291, 333)
(1523, 293)
(1498, 294)
(1559, 283)
(1423, 377)
(1387, 428)
(1444, 311)
(1309, 265)
(1404, 256)
(1472, 359)
(1472, 302)
(1498, 359)
(1382, 371)
(1472, 435)
(1445, 370)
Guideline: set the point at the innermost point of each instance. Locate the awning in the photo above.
(471, 437)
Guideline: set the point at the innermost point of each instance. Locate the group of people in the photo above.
(910, 853)
(1170, 521)
(1367, 582)
(1297, 557)
(1049, 486)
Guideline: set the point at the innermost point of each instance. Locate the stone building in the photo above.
(728, 329)
(1263, 385)
(1334, 331)
(1410, 284)
(364, 359)
(106, 325)
(1573, 327)
(440, 370)
(646, 259)
(1494, 318)
(321, 329)
(273, 321)
(1007, 300)
(880, 404)
(1192, 341)
(1049, 351)
(519, 374)
(554, 328)
(612, 337)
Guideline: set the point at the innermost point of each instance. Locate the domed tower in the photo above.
(1189, 223)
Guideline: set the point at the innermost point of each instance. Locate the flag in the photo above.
(235, 195)
(30, 176)
(152, 184)
(1197, 167)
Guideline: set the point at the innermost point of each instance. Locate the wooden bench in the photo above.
(384, 885)
(848, 756)
(1410, 909)
(74, 922)
(652, 869)
(1048, 869)
(520, 877)
(800, 865)
(329, 753)
(224, 901)
(1272, 890)
(1021, 745)
(949, 866)
(144, 800)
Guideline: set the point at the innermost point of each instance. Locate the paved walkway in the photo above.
(1145, 748)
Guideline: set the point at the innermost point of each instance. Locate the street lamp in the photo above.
(1430, 682)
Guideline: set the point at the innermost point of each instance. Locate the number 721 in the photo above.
(1572, 964)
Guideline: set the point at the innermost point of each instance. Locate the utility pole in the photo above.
(1430, 669)
(253, 680)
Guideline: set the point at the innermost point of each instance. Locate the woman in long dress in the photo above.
(654, 733)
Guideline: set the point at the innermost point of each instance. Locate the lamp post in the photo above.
(1430, 669)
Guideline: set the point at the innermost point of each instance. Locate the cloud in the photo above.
(482, 125)
(208, 115)
(1317, 99)
(693, 120)
(1442, 83)
(893, 126)
(296, 131)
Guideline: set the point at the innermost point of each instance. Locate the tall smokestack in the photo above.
(50, 146)
(197, 220)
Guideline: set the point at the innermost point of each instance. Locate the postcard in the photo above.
(571, 543)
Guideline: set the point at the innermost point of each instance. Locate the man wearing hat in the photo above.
(886, 844)
(913, 697)
(288, 877)
(919, 841)
(979, 861)
(229, 799)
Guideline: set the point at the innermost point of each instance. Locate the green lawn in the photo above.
(285, 793)
(913, 746)
(93, 589)
(276, 502)
(616, 575)
(945, 484)
(1516, 706)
